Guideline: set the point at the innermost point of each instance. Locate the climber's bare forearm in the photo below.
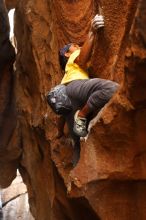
(96, 23)
(86, 50)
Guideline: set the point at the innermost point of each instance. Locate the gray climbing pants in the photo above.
(93, 92)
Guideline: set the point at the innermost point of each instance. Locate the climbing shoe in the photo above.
(80, 125)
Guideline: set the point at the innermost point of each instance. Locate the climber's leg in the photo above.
(91, 95)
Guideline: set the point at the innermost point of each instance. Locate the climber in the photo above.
(89, 95)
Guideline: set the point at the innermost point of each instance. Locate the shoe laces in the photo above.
(81, 122)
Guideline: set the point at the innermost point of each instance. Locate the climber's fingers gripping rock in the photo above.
(97, 22)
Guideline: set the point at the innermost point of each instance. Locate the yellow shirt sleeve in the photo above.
(72, 70)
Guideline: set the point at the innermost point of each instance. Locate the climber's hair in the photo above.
(62, 58)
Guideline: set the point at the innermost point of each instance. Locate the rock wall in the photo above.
(109, 180)
(10, 150)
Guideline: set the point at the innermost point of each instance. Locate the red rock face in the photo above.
(10, 4)
(109, 180)
(9, 134)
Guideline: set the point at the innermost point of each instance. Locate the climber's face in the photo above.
(72, 48)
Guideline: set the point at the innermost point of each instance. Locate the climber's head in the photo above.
(65, 52)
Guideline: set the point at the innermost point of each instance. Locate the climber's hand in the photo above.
(97, 22)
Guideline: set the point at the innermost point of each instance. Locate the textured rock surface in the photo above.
(9, 133)
(109, 180)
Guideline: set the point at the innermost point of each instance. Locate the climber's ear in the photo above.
(67, 54)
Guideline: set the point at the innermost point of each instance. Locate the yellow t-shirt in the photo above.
(72, 70)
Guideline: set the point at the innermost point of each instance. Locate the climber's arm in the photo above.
(86, 49)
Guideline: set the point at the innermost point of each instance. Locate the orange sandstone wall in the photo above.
(109, 180)
(10, 150)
